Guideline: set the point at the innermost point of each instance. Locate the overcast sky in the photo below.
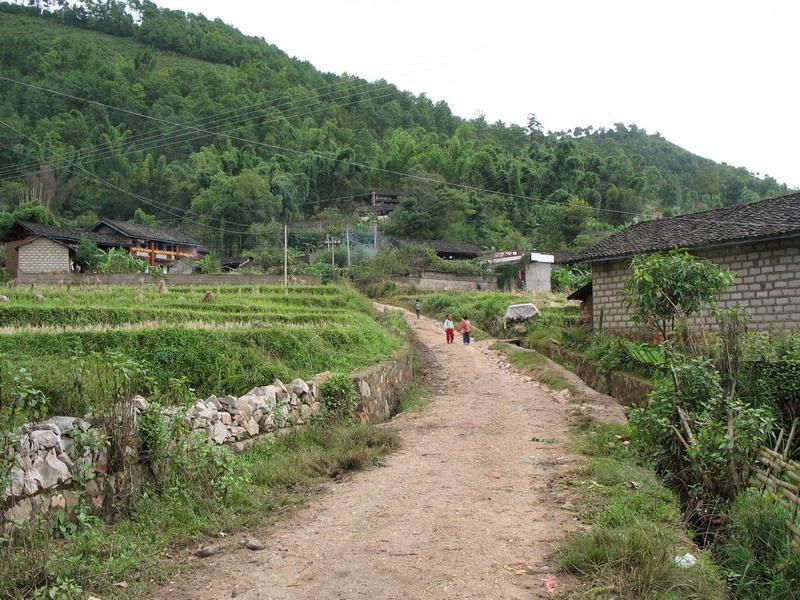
(718, 77)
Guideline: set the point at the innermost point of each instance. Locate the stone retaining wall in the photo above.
(175, 279)
(629, 390)
(383, 387)
(448, 282)
(57, 468)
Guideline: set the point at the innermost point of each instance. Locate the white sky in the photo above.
(717, 77)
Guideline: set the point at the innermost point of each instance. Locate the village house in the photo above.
(445, 250)
(33, 248)
(759, 242)
(535, 268)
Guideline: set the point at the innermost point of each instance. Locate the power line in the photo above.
(412, 176)
(147, 201)
(153, 136)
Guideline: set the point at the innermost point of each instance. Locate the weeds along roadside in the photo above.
(634, 525)
(636, 529)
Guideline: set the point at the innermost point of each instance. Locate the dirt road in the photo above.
(468, 495)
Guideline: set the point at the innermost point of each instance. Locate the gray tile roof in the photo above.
(147, 232)
(62, 234)
(766, 219)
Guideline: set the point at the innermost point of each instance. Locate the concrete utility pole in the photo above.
(348, 246)
(375, 238)
(286, 255)
(329, 242)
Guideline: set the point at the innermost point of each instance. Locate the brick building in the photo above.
(759, 242)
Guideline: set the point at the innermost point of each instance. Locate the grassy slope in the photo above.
(208, 489)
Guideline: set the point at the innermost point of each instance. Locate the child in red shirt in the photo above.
(465, 327)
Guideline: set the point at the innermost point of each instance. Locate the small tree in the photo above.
(668, 287)
(87, 254)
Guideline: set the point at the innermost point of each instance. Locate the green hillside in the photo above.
(268, 139)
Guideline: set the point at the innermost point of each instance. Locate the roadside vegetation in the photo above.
(485, 308)
(636, 535)
(209, 491)
(717, 398)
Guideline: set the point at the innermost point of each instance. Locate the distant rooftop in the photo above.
(148, 232)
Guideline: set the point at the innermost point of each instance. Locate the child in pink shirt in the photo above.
(465, 327)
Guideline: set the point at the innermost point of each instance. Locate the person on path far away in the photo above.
(465, 327)
(449, 329)
(417, 307)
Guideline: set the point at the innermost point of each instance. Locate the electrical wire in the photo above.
(412, 176)
(151, 138)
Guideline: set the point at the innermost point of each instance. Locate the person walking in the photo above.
(465, 327)
(417, 307)
(449, 329)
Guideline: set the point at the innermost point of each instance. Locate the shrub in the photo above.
(87, 254)
(339, 396)
(698, 436)
(118, 260)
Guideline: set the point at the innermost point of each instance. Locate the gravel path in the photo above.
(467, 501)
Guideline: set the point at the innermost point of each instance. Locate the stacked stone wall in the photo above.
(446, 282)
(58, 467)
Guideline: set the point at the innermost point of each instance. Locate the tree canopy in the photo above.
(236, 136)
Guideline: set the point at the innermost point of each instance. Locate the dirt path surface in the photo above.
(468, 496)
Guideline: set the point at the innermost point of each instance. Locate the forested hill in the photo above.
(266, 139)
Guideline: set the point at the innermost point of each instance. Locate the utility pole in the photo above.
(286, 255)
(375, 236)
(348, 246)
(329, 243)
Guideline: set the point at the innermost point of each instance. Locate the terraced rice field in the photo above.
(242, 337)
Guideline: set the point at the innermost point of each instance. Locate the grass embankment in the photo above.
(485, 309)
(536, 365)
(636, 531)
(635, 525)
(201, 497)
(241, 338)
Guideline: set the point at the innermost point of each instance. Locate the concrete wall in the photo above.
(537, 277)
(177, 279)
(767, 286)
(448, 282)
(42, 255)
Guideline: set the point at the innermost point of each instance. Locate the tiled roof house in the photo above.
(35, 248)
(759, 242)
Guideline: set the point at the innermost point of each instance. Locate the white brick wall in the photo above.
(43, 255)
(766, 286)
